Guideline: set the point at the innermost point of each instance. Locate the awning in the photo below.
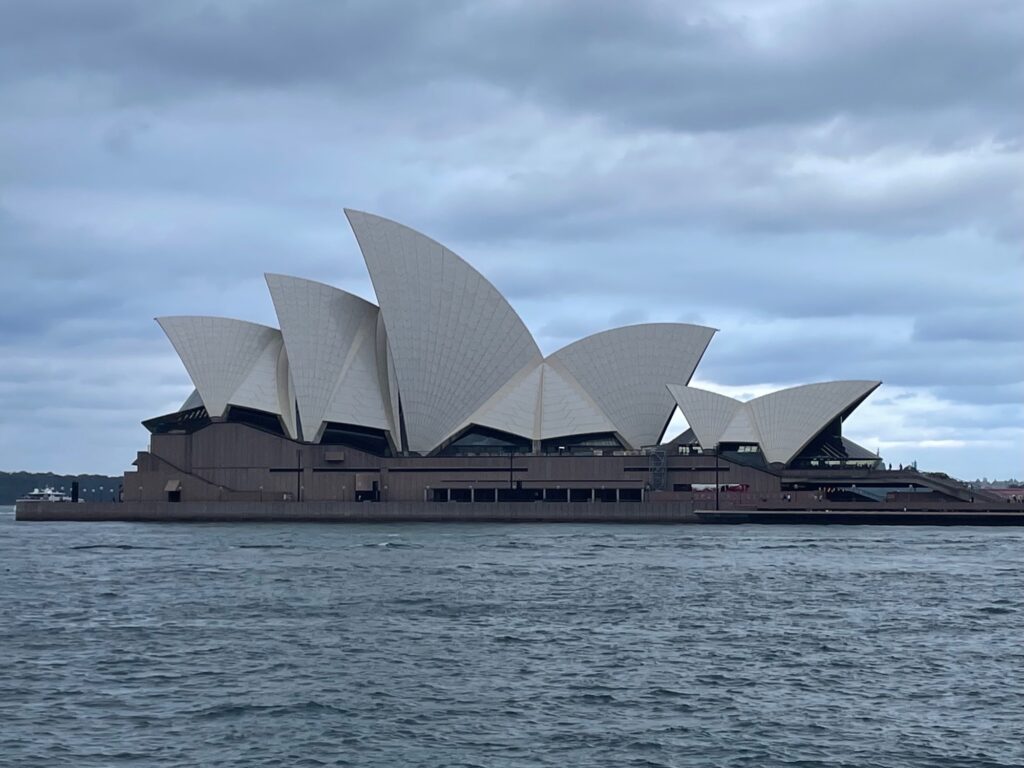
(172, 485)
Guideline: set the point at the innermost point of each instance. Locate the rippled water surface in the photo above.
(509, 645)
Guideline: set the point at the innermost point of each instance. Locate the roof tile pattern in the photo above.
(567, 408)
(707, 413)
(782, 422)
(219, 353)
(386, 376)
(332, 351)
(286, 393)
(790, 418)
(514, 407)
(454, 337)
(742, 429)
(626, 370)
(259, 389)
(541, 402)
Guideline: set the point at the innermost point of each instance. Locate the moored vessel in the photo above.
(45, 494)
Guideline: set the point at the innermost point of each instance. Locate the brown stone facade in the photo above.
(228, 461)
(235, 462)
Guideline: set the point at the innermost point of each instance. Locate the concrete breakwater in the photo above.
(357, 512)
(500, 512)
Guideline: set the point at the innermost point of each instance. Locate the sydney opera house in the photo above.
(439, 393)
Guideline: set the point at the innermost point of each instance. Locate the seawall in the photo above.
(357, 512)
(500, 512)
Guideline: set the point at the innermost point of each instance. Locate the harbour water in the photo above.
(509, 645)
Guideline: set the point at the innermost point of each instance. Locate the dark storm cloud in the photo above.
(703, 70)
(701, 67)
(836, 186)
(153, 52)
(809, 112)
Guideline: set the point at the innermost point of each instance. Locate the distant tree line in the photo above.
(984, 482)
(14, 485)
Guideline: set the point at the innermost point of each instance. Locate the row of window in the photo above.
(535, 494)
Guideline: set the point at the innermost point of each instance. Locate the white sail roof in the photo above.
(567, 408)
(709, 414)
(782, 422)
(454, 337)
(388, 382)
(331, 336)
(790, 418)
(541, 402)
(742, 428)
(259, 389)
(286, 393)
(445, 350)
(225, 358)
(515, 407)
(626, 370)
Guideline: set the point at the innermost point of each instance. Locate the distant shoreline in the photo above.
(92, 487)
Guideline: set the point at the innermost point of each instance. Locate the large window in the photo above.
(484, 441)
(183, 422)
(366, 439)
(581, 444)
(268, 422)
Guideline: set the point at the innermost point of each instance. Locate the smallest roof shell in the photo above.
(219, 354)
(781, 422)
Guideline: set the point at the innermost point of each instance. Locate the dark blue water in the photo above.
(495, 645)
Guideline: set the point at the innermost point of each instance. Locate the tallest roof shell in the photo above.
(455, 339)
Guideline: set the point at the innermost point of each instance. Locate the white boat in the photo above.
(46, 494)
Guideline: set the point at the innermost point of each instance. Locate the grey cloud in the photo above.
(985, 394)
(963, 421)
(1003, 323)
(154, 53)
(753, 174)
(700, 69)
(704, 71)
(831, 351)
(806, 278)
(750, 183)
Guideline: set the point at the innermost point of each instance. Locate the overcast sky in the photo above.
(837, 186)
